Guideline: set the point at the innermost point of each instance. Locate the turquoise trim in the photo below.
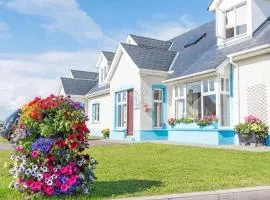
(94, 111)
(117, 135)
(231, 80)
(147, 135)
(208, 137)
(164, 89)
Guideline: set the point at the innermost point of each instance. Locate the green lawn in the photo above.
(152, 169)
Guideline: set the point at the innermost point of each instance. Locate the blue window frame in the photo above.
(95, 112)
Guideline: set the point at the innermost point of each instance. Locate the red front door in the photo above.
(130, 113)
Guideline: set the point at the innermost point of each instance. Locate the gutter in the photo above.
(190, 76)
(154, 72)
(98, 93)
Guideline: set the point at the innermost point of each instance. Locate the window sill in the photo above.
(234, 40)
(96, 122)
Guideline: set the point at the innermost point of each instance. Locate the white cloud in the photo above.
(24, 76)
(4, 30)
(158, 27)
(64, 15)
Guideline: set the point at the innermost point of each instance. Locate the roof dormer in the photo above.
(103, 65)
(236, 20)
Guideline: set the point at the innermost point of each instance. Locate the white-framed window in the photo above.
(121, 103)
(158, 108)
(209, 98)
(236, 21)
(95, 112)
(224, 102)
(180, 101)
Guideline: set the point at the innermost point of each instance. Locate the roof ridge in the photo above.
(84, 79)
(261, 26)
(83, 71)
(147, 47)
(108, 52)
(150, 38)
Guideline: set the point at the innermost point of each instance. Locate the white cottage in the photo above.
(221, 68)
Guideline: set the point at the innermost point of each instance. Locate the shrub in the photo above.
(49, 140)
(106, 132)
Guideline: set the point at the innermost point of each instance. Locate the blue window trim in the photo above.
(93, 113)
(164, 106)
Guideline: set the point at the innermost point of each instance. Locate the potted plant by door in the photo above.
(252, 132)
(106, 133)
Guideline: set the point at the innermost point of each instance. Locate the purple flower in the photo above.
(43, 144)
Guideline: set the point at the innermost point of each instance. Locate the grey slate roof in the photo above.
(98, 88)
(150, 58)
(77, 86)
(84, 74)
(150, 42)
(108, 55)
(205, 54)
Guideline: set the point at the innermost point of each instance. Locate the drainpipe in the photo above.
(238, 86)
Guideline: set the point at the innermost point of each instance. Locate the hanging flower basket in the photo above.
(49, 139)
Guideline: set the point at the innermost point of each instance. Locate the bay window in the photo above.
(199, 99)
(121, 103)
(236, 21)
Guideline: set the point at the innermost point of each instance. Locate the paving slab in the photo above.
(251, 193)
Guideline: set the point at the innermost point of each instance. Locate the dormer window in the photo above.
(236, 21)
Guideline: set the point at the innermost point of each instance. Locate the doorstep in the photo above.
(251, 193)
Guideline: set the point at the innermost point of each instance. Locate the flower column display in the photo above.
(49, 139)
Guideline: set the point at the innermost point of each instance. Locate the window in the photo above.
(180, 103)
(121, 101)
(236, 21)
(224, 102)
(95, 112)
(209, 98)
(193, 99)
(158, 107)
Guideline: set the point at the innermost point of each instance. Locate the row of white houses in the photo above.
(221, 68)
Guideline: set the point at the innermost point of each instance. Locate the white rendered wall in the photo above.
(126, 76)
(254, 72)
(105, 113)
(147, 82)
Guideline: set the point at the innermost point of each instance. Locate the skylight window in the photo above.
(194, 40)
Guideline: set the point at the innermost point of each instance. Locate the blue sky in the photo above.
(41, 40)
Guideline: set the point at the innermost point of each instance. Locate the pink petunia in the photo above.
(69, 170)
(63, 170)
(64, 187)
(35, 153)
(36, 186)
(49, 190)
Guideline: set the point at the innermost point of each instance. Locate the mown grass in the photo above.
(152, 169)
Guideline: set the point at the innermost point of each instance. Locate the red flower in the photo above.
(60, 143)
(51, 157)
(74, 145)
(72, 136)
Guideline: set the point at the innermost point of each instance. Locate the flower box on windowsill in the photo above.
(194, 125)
